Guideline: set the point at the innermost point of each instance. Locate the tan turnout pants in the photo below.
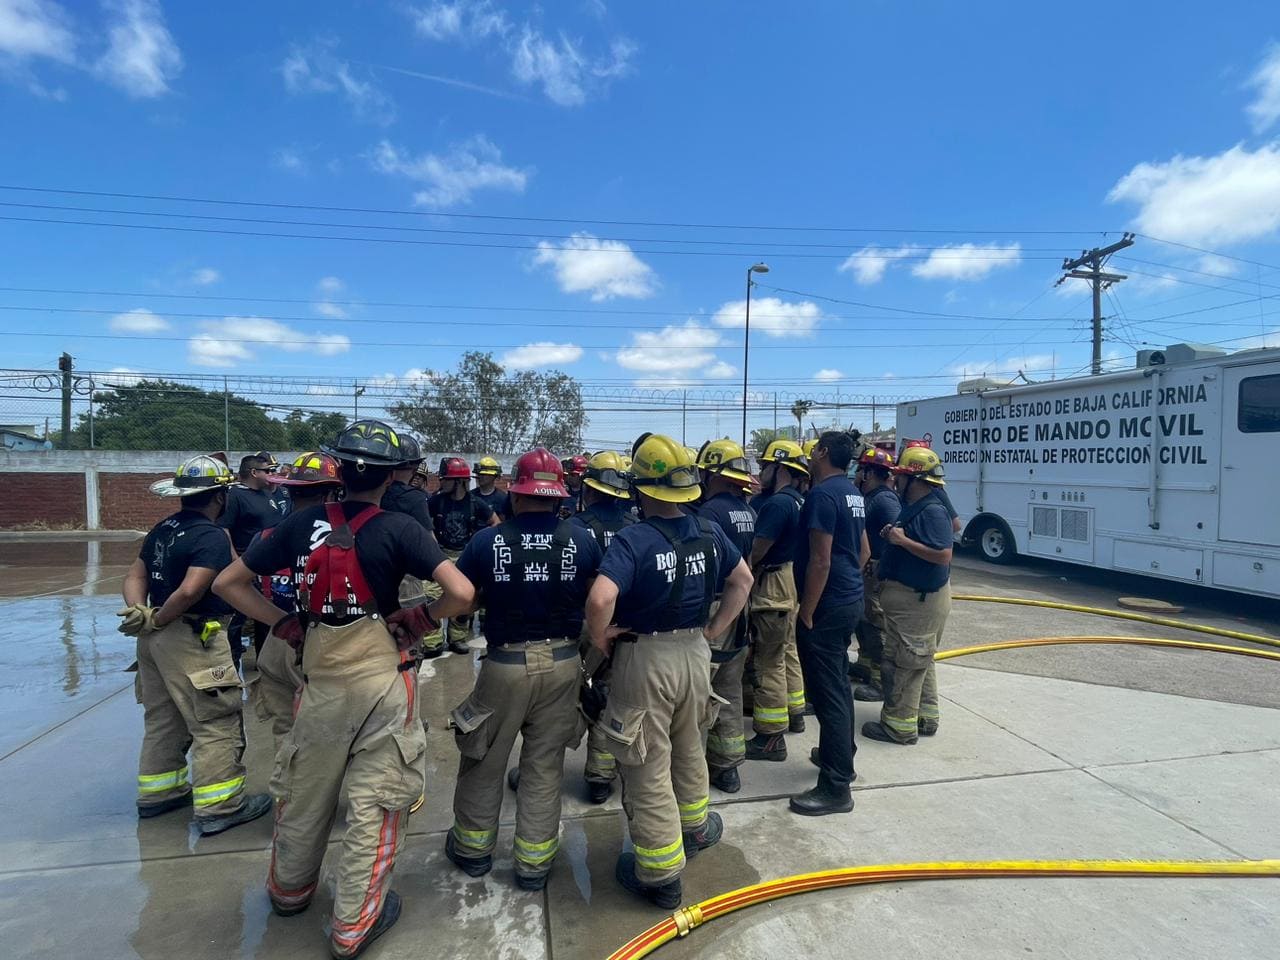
(912, 631)
(870, 629)
(726, 744)
(459, 627)
(537, 699)
(660, 709)
(278, 685)
(779, 690)
(357, 719)
(190, 694)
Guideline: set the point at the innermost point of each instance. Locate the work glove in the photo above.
(137, 619)
(409, 625)
(290, 629)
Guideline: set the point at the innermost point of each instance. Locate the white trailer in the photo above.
(1170, 469)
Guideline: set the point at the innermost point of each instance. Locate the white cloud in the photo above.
(139, 320)
(1029, 363)
(462, 19)
(119, 377)
(1264, 111)
(772, 316)
(721, 370)
(330, 285)
(450, 178)
(1218, 266)
(230, 341)
(289, 160)
(314, 68)
(869, 264)
(673, 349)
(205, 276)
(414, 376)
(541, 354)
(828, 375)
(31, 28)
(332, 310)
(1227, 198)
(565, 73)
(967, 261)
(604, 268)
(142, 57)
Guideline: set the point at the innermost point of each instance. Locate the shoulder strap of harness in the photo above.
(555, 622)
(334, 568)
(685, 550)
(913, 510)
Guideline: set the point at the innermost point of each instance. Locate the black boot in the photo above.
(821, 801)
(147, 811)
(874, 730)
(868, 693)
(513, 778)
(817, 762)
(665, 895)
(252, 808)
(727, 780)
(767, 746)
(860, 672)
(707, 835)
(386, 920)
(471, 866)
(927, 728)
(795, 723)
(599, 791)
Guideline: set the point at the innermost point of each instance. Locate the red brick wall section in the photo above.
(34, 500)
(125, 501)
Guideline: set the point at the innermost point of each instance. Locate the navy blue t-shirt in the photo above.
(735, 518)
(249, 511)
(496, 500)
(778, 519)
(883, 507)
(519, 601)
(641, 562)
(176, 544)
(609, 515)
(402, 498)
(834, 506)
(930, 526)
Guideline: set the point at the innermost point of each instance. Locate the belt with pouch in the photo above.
(516, 653)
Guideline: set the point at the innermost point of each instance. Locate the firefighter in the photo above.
(403, 497)
(487, 471)
(186, 680)
(252, 506)
(575, 469)
(778, 698)
(311, 480)
(533, 572)
(456, 516)
(830, 555)
(875, 480)
(915, 595)
(650, 608)
(357, 728)
(726, 478)
(606, 499)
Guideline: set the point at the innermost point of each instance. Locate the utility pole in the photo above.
(65, 364)
(684, 412)
(1099, 281)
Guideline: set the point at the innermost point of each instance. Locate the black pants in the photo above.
(824, 659)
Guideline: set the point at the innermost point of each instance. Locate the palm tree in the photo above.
(798, 410)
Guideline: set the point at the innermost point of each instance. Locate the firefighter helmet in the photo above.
(369, 443)
(410, 451)
(269, 463)
(921, 462)
(487, 467)
(454, 468)
(538, 474)
(663, 469)
(788, 453)
(808, 447)
(574, 466)
(875, 457)
(726, 458)
(309, 470)
(208, 471)
(607, 472)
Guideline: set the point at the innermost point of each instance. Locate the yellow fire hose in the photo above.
(1127, 615)
(1137, 641)
(687, 918)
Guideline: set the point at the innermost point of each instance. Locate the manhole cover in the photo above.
(1147, 605)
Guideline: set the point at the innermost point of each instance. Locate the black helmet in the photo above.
(367, 443)
(410, 451)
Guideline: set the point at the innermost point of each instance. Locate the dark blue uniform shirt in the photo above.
(883, 507)
(176, 544)
(778, 519)
(834, 506)
(930, 525)
(735, 518)
(609, 515)
(402, 498)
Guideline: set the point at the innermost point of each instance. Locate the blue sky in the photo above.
(956, 152)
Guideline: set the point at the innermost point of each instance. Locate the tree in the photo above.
(164, 415)
(307, 431)
(798, 410)
(478, 408)
(761, 437)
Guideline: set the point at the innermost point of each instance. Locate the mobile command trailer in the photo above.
(1169, 469)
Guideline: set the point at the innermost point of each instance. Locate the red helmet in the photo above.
(576, 466)
(454, 468)
(539, 474)
(875, 457)
(309, 470)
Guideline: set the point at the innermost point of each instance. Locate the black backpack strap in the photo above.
(684, 550)
(555, 623)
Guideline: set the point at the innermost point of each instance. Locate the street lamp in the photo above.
(746, 344)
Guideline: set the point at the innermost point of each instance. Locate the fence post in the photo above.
(226, 417)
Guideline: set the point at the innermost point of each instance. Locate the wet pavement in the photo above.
(1118, 752)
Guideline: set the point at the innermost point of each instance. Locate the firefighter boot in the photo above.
(598, 792)
(821, 801)
(874, 730)
(707, 835)
(471, 866)
(868, 693)
(386, 920)
(146, 811)
(665, 895)
(795, 723)
(254, 806)
(726, 780)
(767, 746)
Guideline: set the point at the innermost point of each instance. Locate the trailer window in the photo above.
(1259, 407)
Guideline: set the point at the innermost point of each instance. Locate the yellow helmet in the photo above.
(923, 463)
(726, 458)
(808, 448)
(609, 473)
(788, 453)
(198, 474)
(487, 467)
(664, 470)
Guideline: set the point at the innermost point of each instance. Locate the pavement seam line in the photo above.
(1194, 756)
(63, 723)
(1001, 726)
(54, 593)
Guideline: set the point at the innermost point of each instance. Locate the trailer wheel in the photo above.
(995, 542)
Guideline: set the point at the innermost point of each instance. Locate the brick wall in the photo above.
(50, 499)
(125, 501)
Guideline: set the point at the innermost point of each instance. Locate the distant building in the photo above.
(11, 439)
